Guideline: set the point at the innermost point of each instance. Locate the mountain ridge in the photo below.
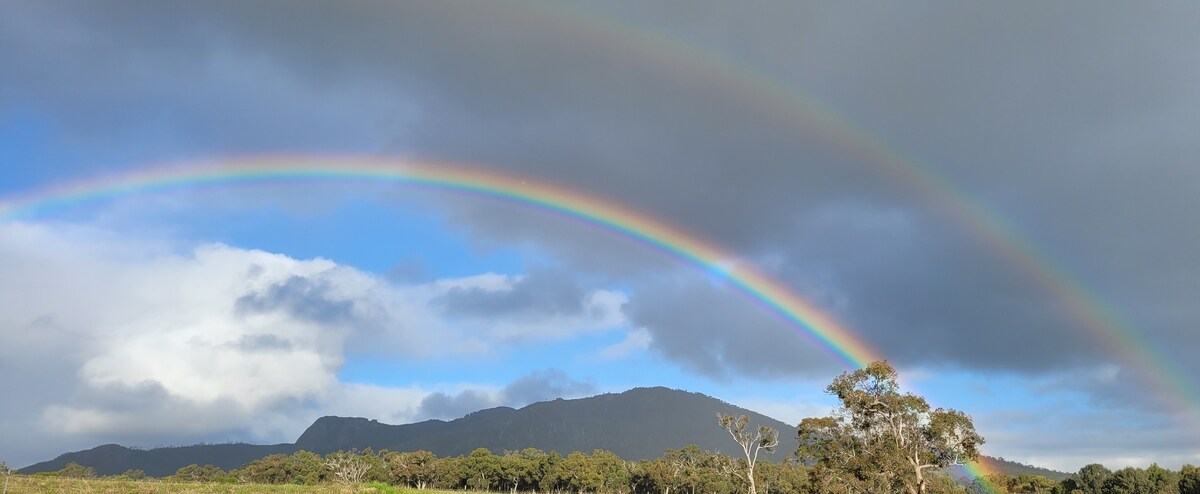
(640, 423)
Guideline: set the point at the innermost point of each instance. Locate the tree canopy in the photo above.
(880, 440)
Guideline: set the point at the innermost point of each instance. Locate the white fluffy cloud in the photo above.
(127, 338)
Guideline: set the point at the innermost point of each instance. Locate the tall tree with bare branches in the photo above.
(765, 438)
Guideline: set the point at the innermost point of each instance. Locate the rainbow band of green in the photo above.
(822, 327)
(981, 469)
(768, 97)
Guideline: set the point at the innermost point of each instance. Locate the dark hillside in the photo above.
(111, 459)
(640, 423)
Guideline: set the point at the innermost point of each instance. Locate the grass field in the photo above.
(23, 484)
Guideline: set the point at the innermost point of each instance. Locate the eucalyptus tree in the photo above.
(348, 468)
(881, 440)
(522, 470)
(787, 477)
(483, 468)
(413, 469)
(578, 473)
(613, 472)
(199, 474)
(765, 438)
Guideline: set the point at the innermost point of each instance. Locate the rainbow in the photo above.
(1095, 319)
(985, 470)
(821, 327)
(1098, 320)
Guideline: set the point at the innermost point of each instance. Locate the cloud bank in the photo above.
(136, 340)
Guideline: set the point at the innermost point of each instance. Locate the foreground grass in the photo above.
(24, 484)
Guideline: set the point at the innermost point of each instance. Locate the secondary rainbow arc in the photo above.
(820, 326)
(768, 96)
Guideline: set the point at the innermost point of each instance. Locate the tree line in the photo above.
(878, 441)
(689, 470)
(686, 471)
(1097, 479)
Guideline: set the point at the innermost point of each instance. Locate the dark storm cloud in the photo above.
(1074, 124)
(304, 298)
(530, 388)
(542, 293)
(920, 292)
(715, 331)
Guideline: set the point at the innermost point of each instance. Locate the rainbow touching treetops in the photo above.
(777, 297)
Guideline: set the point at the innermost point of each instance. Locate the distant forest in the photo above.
(689, 470)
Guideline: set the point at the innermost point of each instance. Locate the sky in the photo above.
(997, 198)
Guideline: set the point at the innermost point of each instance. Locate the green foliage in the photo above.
(940, 483)
(1128, 480)
(76, 471)
(302, 467)
(880, 440)
(483, 469)
(1189, 480)
(577, 474)
(1091, 478)
(1030, 484)
(786, 477)
(522, 470)
(196, 473)
(613, 473)
(413, 469)
(1067, 486)
(1165, 481)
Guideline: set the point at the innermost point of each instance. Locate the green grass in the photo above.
(24, 484)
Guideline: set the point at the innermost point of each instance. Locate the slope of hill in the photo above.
(637, 424)
(1014, 469)
(640, 423)
(112, 459)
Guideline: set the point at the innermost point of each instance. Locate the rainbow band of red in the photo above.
(812, 321)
